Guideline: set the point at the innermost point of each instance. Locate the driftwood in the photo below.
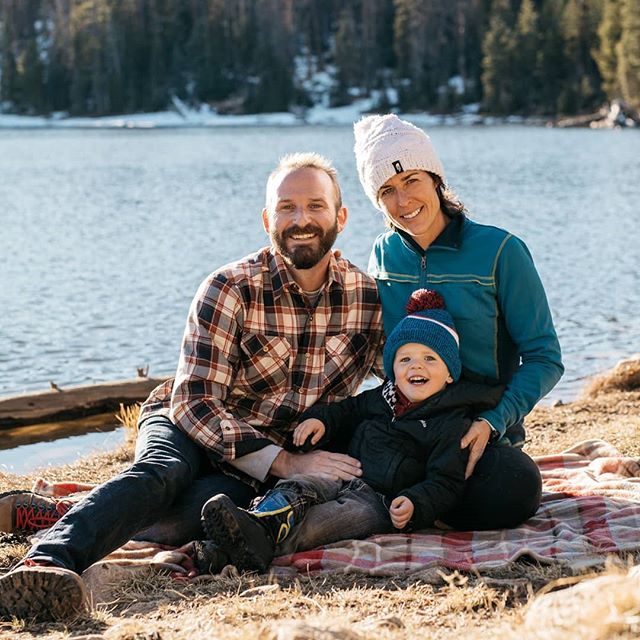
(73, 402)
(613, 116)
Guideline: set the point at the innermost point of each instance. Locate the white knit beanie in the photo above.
(385, 146)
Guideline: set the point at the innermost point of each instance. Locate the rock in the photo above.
(596, 608)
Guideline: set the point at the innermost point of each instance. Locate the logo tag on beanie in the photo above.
(397, 165)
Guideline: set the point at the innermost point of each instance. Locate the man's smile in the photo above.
(302, 236)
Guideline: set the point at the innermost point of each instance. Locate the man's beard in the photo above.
(305, 256)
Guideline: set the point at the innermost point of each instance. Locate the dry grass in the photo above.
(625, 376)
(437, 605)
(127, 416)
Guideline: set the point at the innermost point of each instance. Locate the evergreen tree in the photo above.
(9, 92)
(424, 47)
(498, 69)
(375, 38)
(526, 48)
(58, 76)
(628, 52)
(32, 78)
(551, 62)
(606, 56)
(271, 88)
(347, 56)
(579, 26)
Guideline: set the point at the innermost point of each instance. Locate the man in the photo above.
(266, 338)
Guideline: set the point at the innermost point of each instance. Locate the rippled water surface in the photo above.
(105, 235)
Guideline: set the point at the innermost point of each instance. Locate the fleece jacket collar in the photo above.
(450, 237)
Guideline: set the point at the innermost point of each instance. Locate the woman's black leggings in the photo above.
(503, 492)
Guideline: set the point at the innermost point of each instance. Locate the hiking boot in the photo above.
(249, 538)
(26, 512)
(42, 593)
(209, 557)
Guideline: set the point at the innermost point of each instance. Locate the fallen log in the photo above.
(613, 116)
(73, 402)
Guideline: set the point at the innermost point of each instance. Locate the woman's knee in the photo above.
(504, 491)
(516, 485)
(528, 483)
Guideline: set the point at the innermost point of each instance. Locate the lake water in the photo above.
(105, 235)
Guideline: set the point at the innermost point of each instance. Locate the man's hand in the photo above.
(477, 438)
(311, 426)
(401, 511)
(336, 466)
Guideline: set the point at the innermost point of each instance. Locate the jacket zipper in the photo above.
(423, 274)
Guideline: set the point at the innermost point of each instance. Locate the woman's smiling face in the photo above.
(410, 201)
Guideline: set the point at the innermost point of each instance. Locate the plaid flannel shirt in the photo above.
(255, 354)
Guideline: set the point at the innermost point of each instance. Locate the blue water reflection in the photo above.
(107, 234)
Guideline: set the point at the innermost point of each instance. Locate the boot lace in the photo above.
(35, 514)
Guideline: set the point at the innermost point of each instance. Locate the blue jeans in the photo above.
(326, 511)
(503, 492)
(158, 498)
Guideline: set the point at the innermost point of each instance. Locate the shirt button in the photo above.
(307, 356)
(265, 348)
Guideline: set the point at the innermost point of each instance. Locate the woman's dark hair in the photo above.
(449, 201)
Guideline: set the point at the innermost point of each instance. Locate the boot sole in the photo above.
(42, 593)
(222, 527)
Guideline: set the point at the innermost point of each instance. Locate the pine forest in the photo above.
(529, 57)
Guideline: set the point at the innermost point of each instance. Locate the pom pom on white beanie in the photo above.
(385, 146)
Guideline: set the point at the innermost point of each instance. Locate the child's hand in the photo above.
(311, 426)
(401, 511)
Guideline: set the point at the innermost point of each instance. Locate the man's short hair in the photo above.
(293, 161)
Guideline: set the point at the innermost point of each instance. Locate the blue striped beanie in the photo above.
(427, 323)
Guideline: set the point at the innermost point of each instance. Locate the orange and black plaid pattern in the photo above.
(255, 353)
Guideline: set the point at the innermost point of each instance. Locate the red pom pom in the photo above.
(422, 299)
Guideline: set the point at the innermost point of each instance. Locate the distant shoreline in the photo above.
(204, 118)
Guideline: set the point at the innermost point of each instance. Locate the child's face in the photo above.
(420, 372)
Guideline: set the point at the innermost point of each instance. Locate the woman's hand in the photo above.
(401, 511)
(477, 438)
(311, 426)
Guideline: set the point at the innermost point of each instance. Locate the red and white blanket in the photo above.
(590, 508)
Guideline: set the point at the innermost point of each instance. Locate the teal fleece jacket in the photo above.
(494, 293)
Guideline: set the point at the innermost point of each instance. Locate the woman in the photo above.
(492, 290)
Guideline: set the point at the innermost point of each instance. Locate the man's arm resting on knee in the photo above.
(337, 466)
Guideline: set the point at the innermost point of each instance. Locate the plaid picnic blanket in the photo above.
(590, 508)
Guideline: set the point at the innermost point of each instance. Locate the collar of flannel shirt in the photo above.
(282, 278)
